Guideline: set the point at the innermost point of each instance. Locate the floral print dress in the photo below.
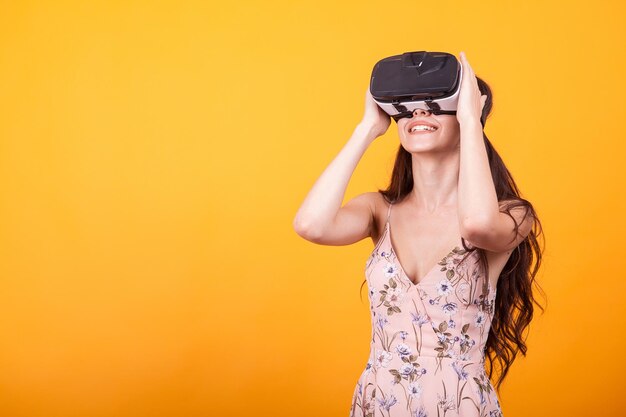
(427, 352)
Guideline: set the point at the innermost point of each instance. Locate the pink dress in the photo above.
(427, 352)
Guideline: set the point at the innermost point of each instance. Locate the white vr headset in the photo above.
(400, 84)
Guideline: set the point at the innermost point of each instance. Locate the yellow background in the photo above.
(154, 154)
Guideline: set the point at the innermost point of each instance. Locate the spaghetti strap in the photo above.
(389, 211)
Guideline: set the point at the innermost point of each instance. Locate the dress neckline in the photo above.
(403, 272)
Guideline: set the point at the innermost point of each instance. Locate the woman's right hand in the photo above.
(375, 117)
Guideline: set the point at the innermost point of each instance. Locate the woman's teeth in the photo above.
(422, 127)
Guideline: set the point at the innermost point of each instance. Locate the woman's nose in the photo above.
(420, 112)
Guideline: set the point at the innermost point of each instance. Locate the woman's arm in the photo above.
(480, 219)
(316, 216)
(321, 218)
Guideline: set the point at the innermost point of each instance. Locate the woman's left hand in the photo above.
(471, 102)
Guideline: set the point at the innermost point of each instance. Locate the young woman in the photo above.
(450, 232)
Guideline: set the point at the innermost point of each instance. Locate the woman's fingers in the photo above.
(466, 64)
(470, 72)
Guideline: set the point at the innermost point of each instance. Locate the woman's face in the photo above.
(445, 136)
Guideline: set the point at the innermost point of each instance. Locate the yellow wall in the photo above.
(153, 155)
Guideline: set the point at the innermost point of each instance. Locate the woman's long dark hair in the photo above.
(513, 309)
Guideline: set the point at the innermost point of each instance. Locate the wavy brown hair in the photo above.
(514, 308)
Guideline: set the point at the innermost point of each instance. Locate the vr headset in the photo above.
(400, 84)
